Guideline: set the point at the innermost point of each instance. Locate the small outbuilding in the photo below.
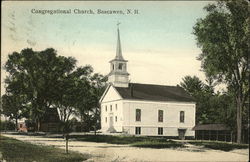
(218, 132)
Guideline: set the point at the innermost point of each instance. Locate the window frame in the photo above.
(160, 117)
(137, 130)
(120, 65)
(182, 116)
(137, 118)
(160, 130)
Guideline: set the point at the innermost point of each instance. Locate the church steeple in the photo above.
(118, 75)
(118, 46)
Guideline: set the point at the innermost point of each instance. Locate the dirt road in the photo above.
(111, 152)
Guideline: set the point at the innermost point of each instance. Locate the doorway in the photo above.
(181, 133)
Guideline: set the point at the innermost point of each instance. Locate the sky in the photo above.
(157, 42)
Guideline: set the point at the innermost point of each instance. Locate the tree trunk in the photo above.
(16, 124)
(38, 125)
(67, 141)
(239, 118)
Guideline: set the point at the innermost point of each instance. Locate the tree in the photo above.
(223, 36)
(211, 108)
(35, 74)
(12, 107)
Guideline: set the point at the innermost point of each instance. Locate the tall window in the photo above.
(113, 66)
(182, 116)
(115, 106)
(106, 119)
(160, 131)
(137, 130)
(110, 107)
(160, 115)
(138, 115)
(106, 108)
(115, 118)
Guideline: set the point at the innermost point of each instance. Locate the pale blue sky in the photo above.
(158, 42)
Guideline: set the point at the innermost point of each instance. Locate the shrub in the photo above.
(7, 125)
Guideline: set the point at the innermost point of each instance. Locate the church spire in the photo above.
(118, 75)
(118, 47)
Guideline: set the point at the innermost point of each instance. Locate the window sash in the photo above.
(138, 115)
(160, 116)
(160, 130)
(137, 130)
(182, 116)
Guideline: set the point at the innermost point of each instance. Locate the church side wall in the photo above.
(149, 117)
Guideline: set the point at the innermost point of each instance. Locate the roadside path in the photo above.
(104, 152)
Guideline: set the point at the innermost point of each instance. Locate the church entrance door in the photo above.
(111, 121)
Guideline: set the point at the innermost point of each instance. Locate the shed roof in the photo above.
(211, 127)
(154, 92)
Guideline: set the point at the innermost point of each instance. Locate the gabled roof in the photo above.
(154, 93)
(211, 127)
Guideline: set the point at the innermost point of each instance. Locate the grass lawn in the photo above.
(217, 145)
(17, 151)
(150, 142)
(158, 144)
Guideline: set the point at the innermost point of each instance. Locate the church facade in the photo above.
(144, 109)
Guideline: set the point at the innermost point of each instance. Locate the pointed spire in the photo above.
(118, 47)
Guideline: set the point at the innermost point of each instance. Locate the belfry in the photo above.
(118, 75)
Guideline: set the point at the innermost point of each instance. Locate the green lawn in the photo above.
(17, 151)
(157, 144)
(217, 145)
(151, 142)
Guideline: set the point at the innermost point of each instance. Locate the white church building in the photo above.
(144, 109)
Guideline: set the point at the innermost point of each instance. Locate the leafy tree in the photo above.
(88, 107)
(35, 74)
(223, 36)
(72, 89)
(210, 107)
(12, 107)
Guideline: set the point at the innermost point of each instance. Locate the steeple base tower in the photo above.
(118, 75)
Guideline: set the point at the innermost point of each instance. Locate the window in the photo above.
(21, 125)
(106, 108)
(110, 107)
(106, 119)
(138, 115)
(137, 130)
(113, 66)
(115, 118)
(182, 116)
(160, 115)
(120, 66)
(160, 131)
(115, 106)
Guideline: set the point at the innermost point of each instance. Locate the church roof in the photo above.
(154, 93)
